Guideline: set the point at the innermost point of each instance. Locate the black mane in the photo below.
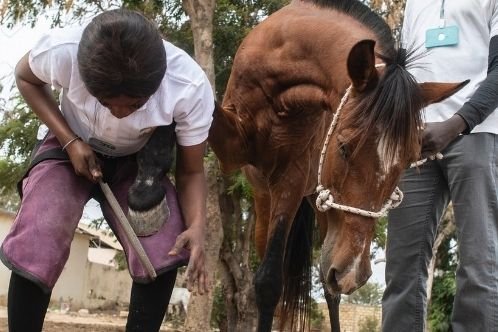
(393, 106)
(363, 14)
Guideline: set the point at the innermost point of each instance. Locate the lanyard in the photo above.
(442, 21)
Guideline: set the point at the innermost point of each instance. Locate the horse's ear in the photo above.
(361, 65)
(435, 92)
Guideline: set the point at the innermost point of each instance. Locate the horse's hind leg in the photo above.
(146, 197)
(333, 300)
(286, 197)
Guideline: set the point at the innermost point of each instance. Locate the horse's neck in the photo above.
(227, 139)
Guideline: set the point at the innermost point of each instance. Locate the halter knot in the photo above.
(396, 198)
(324, 200)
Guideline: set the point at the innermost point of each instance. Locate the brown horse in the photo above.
(319, 110)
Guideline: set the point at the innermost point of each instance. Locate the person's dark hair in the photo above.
(121, 53)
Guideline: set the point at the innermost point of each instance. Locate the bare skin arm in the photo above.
(192, 194)
(39, 98)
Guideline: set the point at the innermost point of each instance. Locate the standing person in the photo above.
(456, 40)
(119, 80)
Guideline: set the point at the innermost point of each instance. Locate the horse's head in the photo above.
(375, 138)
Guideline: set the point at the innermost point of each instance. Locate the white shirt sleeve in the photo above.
(494, 19)
(194, 113)
(52, 62)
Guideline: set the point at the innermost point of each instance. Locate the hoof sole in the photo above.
(146, 223)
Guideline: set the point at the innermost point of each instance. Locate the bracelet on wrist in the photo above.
(69, 142)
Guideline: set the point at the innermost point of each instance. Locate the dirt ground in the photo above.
(72, 322)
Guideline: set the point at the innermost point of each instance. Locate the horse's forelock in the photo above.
(391, 112)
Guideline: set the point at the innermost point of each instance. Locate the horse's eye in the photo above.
(344, 150)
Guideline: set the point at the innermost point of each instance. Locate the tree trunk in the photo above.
(200, 306)
(201, 13)
(391, 10)
(240, 300)
(446, 228)
(228, 291)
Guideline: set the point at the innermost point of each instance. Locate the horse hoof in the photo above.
(148, 222)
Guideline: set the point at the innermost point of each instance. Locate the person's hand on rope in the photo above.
(437, 135)
(193, 239)
(84, 160)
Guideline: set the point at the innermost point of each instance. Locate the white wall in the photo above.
(105, 286)
(70, 288)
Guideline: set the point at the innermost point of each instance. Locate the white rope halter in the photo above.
(438, 156)
(325, 200)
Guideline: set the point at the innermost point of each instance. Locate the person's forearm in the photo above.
(39, 98)
(47, 110)
(192, 194)
(485, 99)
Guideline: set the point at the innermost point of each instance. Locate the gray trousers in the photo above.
(468, 177)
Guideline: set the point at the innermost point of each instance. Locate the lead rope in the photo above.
(325, 200)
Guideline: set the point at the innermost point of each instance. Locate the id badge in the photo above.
(101, 146)
(438, 37)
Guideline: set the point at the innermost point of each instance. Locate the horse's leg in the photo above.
(146, 197)
(261, 225)
(268, 277)
(286, 197)
(261, 197)
(333, 300)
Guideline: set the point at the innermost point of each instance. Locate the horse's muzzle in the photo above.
(347, 281)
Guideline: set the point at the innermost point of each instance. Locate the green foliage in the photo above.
(9, 172)
(440, 309)
(316, 317)
(17, 139)
(99, 223)
(254, 261)
(174, 24)
(369, 324)
(370, 293)
(444, 287)
(233, 21)
(240, 186)
(120, 260)
(18, 130)
(380, 236)
(218, 315)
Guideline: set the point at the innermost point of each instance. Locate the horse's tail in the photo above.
(296, 296)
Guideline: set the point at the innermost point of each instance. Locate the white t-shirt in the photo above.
(184, 96)
(477, 21)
